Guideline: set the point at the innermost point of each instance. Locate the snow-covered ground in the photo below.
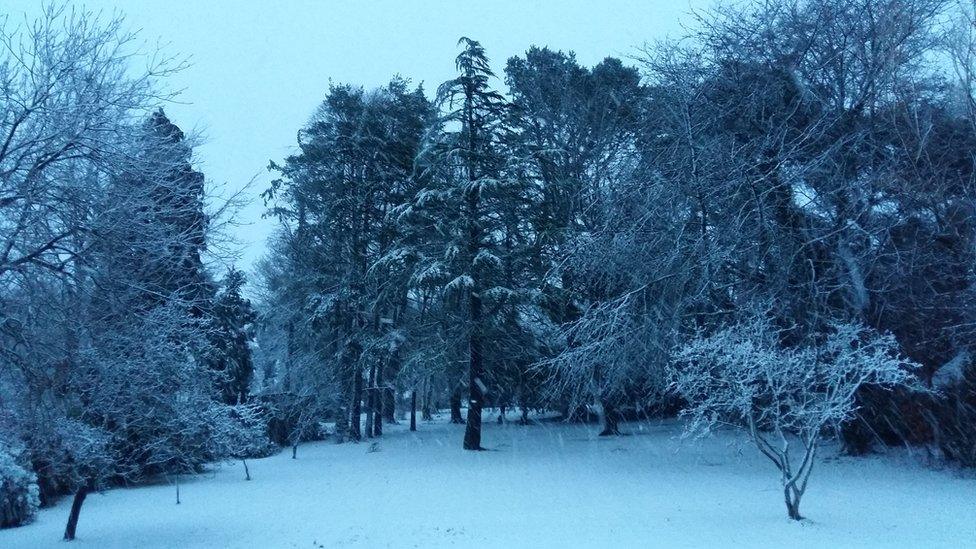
(547, 485)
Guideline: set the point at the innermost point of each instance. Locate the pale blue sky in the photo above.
(259, 69)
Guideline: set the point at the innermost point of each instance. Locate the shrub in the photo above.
(19, 493)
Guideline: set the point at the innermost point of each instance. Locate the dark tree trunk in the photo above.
(79, 500)
(501, 415)
(472, 431)
(357, 391)
(413, 410)
(426, 413)
(611, 419)
(247, 472)
(456, 406)
(370, 400)
(378, 401)
(389, 405)
(525, 416)
(391, 371)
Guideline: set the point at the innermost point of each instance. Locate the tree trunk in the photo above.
(378, 401)
(456, 406)
(501, 415)
(792, 498)
(342, 425)
(472, 431)
(389, 405)
(370, 400)
(426, 413)
(413, 410)
(610, 420)
(79, 500)
(247, 472)
(357, 391)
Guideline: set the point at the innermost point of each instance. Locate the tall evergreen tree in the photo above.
(466, 162)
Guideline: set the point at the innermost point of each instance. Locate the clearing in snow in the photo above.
(542, 485)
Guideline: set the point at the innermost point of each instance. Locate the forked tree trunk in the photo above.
(794, 484)
(792, 497)
(413, 410)
(76, 503)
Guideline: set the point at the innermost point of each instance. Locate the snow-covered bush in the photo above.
(19, 494)
(242, 433)
(784, 396)
(81, 452)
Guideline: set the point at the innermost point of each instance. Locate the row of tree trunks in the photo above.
(380, 404)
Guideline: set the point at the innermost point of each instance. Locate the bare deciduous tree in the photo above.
(784, 396)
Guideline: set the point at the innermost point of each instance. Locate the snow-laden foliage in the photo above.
(108, 369)
(18, 487)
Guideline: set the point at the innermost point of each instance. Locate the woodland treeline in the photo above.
(546, 238)
(770, 222)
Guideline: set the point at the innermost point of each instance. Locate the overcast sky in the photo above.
(260, 68)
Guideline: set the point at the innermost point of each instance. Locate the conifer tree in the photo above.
(466, 162)
(231, 319)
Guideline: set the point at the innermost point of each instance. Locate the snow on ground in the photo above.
(545, 485)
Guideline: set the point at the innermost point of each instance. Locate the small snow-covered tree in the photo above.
(784, 396)
(243, 433)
